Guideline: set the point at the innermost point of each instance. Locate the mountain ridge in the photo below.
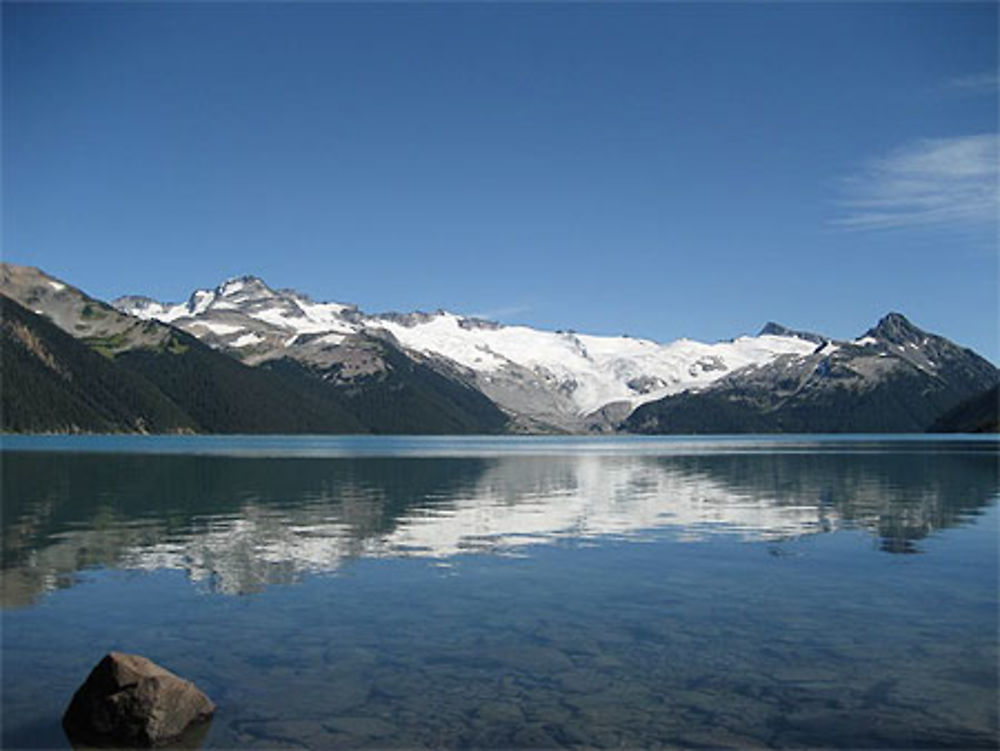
(214, 391)
(562, 379)
(440, 371)
(896, 376)
(52, 382)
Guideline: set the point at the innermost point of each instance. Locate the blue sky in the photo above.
(661, 170)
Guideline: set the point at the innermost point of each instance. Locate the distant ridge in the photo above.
(776, 329)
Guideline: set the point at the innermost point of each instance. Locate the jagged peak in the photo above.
(294, 293)
(137, 300)
(246, 285)
(235, 284)
(475, 322)
(895, 327)
(895, 319)
(776, 329)
(413, 318)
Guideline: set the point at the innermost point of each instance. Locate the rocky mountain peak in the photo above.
(776, 329)
(244, 286)
(237, 290)
(138, 302)
(897, 329)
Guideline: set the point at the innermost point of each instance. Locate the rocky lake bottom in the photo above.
(532, 594)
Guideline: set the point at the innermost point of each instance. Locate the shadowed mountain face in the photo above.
(894, 378)
(171, 382)
(776, 329)
(237, 525)
(53, 382)
(979, 414)
(74, 364)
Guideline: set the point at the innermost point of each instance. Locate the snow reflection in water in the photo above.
(237, 525)
(492, 599)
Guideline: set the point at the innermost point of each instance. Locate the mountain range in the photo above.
(245, 358)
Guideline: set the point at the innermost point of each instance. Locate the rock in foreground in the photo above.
(129, 700)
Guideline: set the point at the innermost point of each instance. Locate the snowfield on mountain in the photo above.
(244, 357)
(559, 378)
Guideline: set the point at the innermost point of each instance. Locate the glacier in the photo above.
(559, 379)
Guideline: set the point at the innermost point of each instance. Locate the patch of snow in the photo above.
(321, 311)
(331, 339)
(231, 287)
(865, 341)
(222, 329)
(57, 286)
(246, 340)
(828, 348)
(200, 301)
(158, 311)
(314, 320)
(146, 313)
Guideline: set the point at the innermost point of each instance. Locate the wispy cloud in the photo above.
(977, 83)
(929, 182)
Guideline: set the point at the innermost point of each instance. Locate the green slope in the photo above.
(53, 383)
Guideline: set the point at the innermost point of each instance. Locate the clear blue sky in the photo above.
(661, 170)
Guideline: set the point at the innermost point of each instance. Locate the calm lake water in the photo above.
(514, 592)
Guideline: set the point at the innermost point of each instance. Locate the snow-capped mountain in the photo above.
(560, 379)
(895, 374)
(72, 363)
(243, 357)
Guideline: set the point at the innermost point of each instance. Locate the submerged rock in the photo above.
(128, 700)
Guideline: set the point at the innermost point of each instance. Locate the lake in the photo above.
(787, 592)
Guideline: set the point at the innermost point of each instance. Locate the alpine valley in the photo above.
(246, 358)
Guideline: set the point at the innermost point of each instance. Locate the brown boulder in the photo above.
(131, 701)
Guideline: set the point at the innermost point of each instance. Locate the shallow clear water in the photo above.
(526, 592)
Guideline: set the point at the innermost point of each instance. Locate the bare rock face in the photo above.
(128, 700)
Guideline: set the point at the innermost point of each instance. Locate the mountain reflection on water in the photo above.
(238, 524)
